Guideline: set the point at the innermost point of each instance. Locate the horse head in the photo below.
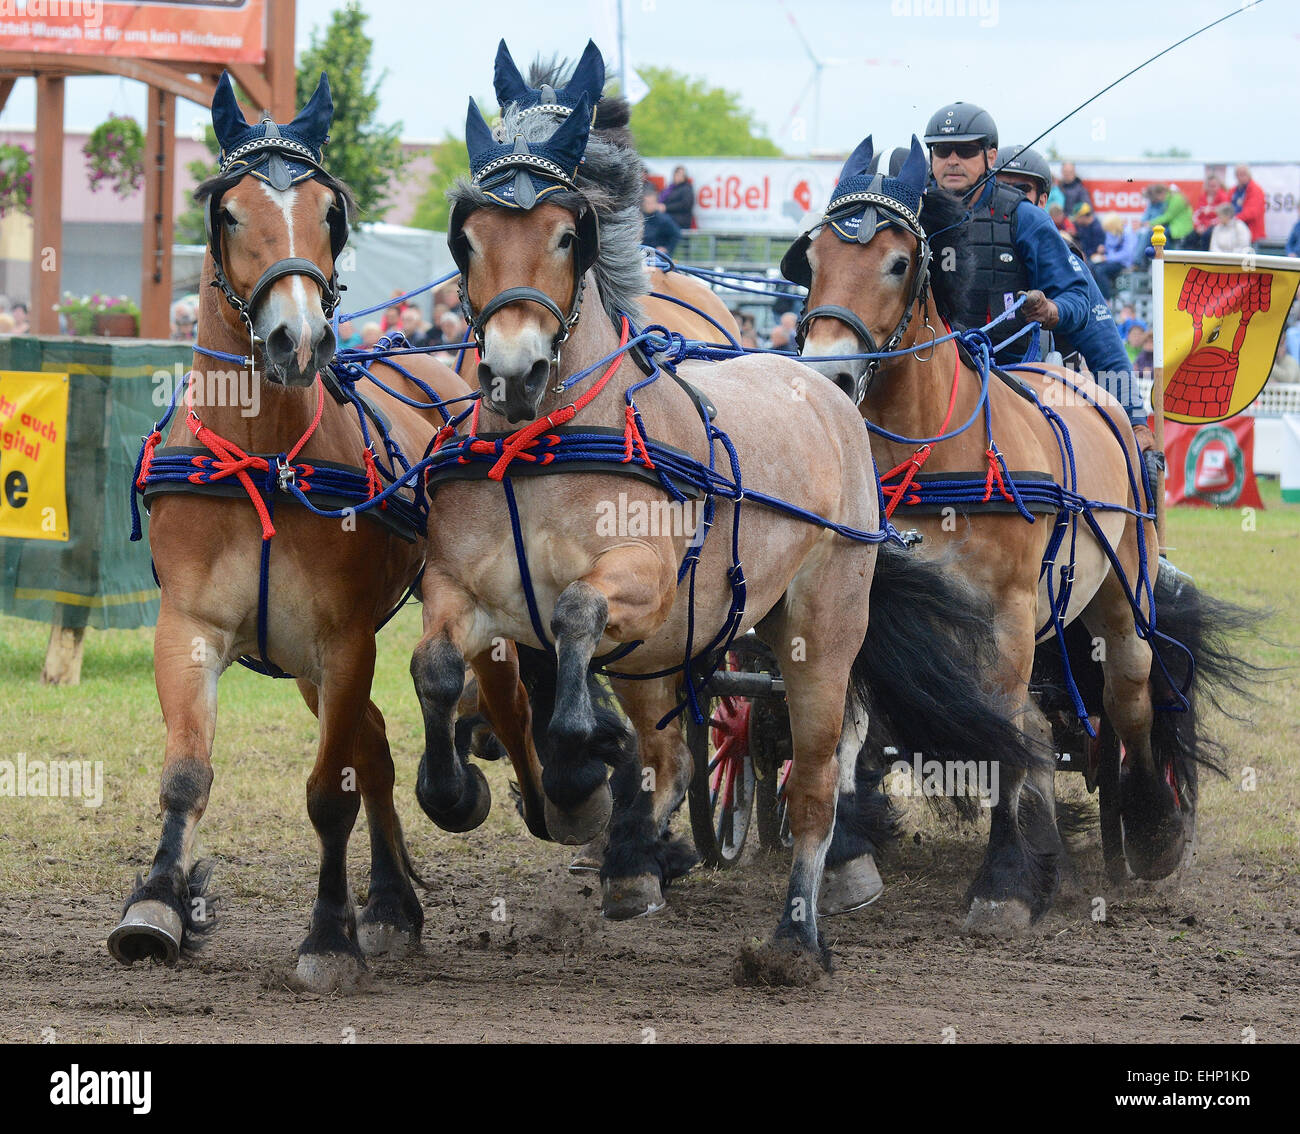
(866, 267)
(523, 236)
(276, 222)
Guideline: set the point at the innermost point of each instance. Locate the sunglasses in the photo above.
(1026, 187)
(943, 150)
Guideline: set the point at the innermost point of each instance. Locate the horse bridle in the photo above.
(271, 151)
(896, 213)
(586, 247)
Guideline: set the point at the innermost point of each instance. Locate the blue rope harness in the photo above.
(673, 469)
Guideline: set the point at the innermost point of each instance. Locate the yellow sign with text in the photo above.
(33, 453)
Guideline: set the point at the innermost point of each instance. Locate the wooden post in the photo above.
(280, 72)
(159, 207)
(1158, 371)
(47, 205)
(64, 653)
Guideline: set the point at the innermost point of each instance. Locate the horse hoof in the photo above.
(589, 859)
(781, 963)
(457, 821)
(149, 930)
(326, 973)
(377, 940)
(850, 886)
(625, 898)
(585, 822)
(989, 918)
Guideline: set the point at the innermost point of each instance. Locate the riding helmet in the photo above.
(962, 122)
(1030, 163)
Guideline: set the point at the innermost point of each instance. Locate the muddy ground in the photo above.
(1198, 958)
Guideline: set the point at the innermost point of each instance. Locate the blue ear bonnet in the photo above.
(588, 80)
(281, 154)
(517, 174)
(864, 201)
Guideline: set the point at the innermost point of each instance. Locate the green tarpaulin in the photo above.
(99, 578)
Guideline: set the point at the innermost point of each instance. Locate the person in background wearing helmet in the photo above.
(1018, 250)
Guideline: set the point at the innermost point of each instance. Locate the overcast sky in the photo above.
(1230, 94)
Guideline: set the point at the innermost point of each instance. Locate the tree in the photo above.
(362, 153)
(1168, 152)
(365, 155)
(684, 117)
(450, 161)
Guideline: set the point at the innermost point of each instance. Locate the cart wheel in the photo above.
(721, 794)
(773, 820)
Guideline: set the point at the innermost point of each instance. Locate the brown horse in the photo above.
(597, 589)
(896, 285)
(332, 581)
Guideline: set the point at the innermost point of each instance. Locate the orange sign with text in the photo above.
(200, 31)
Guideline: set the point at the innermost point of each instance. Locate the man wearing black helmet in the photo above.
(1017, 251)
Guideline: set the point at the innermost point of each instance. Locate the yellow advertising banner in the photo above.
(33, 452)
(1222, 319)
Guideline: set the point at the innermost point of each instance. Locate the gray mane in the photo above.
(609, 181)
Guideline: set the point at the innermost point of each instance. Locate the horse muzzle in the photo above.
(296, 346)
(514, 377)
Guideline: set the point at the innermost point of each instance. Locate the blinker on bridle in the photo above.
(268, 155)
(895, 212)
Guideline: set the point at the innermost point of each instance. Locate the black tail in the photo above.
(1210, 629)
(926, 666)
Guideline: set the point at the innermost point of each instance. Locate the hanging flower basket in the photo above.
(115, 155)
(15, 179)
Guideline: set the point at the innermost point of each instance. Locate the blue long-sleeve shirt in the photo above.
(1085, 318)
(1293, 241)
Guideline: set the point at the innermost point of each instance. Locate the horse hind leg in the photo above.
(170, 911)
(641, 857)
(1157, 830)
(330, 958)
(864, 822)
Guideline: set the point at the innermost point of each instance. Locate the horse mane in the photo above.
(952, 262)
(613, 112)
(609, 182)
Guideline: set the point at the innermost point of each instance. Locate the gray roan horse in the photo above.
(549, 218)
(887, 265)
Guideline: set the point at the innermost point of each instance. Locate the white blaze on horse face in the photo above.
(284, 200)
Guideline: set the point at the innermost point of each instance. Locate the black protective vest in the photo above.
(998, 272)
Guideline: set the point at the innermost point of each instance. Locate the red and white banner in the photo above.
(783, 196)
(1212, 465)
(197, 31)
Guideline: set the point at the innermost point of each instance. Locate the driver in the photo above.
(1018, 251)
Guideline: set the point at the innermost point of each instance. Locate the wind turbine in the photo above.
(814, 82)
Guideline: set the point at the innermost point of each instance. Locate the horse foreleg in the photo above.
(626, 597)
(1020, 873)
(503, 701)
(452, 792)
(168, 909)
(640, 859)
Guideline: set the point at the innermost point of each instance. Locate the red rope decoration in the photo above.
(894, 493)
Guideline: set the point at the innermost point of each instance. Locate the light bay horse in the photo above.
(277, 223)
